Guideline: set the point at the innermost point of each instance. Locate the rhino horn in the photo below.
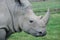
(46, 17)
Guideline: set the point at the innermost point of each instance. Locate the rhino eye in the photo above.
(31, 21)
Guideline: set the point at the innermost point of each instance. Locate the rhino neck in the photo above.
(14, 15)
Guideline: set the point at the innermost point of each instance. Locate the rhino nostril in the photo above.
(40, 32)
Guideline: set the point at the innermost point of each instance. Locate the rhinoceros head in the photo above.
(32, 24)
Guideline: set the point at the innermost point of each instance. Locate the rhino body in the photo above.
(15, 16)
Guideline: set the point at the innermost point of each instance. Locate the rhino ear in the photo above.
(46, 17)
(18, 1)
(25, 3)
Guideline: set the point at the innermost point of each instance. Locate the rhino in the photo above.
(17, 16)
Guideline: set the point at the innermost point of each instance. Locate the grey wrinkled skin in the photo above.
(17, 15)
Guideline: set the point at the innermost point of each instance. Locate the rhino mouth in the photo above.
(39, 35)
(36, 34)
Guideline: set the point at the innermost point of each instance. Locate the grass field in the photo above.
(53, 27)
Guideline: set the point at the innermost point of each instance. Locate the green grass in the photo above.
(53, 27)
(43, 6)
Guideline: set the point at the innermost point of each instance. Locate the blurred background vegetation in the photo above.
(53, 27)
